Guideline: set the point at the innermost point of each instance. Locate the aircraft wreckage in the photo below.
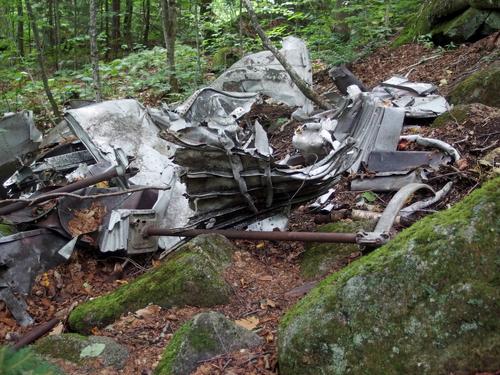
(121, 177)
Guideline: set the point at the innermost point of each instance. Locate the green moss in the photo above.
(480, 87)
(318, 259)
(193, 277)
(458, 113)
(67, 347)
(25, 361)
(6, 230)
(165, 367)
(427, 302)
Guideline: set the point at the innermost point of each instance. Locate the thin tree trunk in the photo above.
(94, 54)
(106, 18)
(41, 60)
(241, 28)
(20, 28)
(127, 24)
(75, 31)
(198, 47)
(115, 28)
(169, 17)
(301, 84)
(147, 20)
(57, 33)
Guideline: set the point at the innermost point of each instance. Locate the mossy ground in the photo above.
(193, 276)
(24, 362)
(427, 302)
(458, 114)
(318, 259)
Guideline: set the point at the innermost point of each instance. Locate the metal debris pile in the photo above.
(118, 177)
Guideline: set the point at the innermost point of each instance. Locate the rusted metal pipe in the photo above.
(36, 333)
(86, 182)
(256, 236)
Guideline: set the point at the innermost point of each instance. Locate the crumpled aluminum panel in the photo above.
(262, 73)
(19, 139)
(125, 127)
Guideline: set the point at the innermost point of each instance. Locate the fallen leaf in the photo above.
(148, 312)
(265, 278)
(249, 323)
(57, 330)
(92, 350)
(462, 164)
(264, 304)
(260, 245)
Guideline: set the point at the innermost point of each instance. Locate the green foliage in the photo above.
(23, 362)
(140, 72)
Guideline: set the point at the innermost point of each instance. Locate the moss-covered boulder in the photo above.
(449, 21)
(462, 28)
(485, 4)
(480, 87)
(25, 361)
(205, 336)
(193, 276)
(81, 349)
(319, 259)
(427, 302)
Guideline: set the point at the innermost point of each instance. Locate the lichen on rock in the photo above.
(427, 302)
(205, 336)
(319, 259)
(69, 347)
(192, 276)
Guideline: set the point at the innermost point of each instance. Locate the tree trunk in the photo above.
(301, 84)
(115, 28)
(147, 20)
(127, 24)
(106, 27)
(57, 33)
(169, 17)
(20, 28)
(94, 54)
(341, 28)
(41, 60)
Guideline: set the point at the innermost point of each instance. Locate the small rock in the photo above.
(207, 335)
(81, 349)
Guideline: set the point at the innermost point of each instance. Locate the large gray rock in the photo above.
(193, 276)
(428, 302)
(80, 349)
(205, 336)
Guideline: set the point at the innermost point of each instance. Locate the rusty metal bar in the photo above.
(256, 236)
(86, 182)
(36, 333)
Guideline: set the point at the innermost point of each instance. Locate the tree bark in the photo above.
(127, 24)
(57, 33)
(94, 54)
(169, 17)
(147, 20)
(301, 84)
(20, 28)
(41, 60)
(106, 27)
(115, 28)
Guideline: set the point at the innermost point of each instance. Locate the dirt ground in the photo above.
(265, 276)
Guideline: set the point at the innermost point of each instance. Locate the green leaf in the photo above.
(92, 350)
(369, 196)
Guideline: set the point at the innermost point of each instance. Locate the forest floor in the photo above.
(265, 276)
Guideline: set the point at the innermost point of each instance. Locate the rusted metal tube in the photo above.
(256, 236)
(36, 333)
(86, 182)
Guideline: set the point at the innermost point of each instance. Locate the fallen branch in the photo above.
(301, 84)
(34, 201)
(421, 61)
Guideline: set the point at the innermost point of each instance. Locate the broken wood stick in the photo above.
(301, 84)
